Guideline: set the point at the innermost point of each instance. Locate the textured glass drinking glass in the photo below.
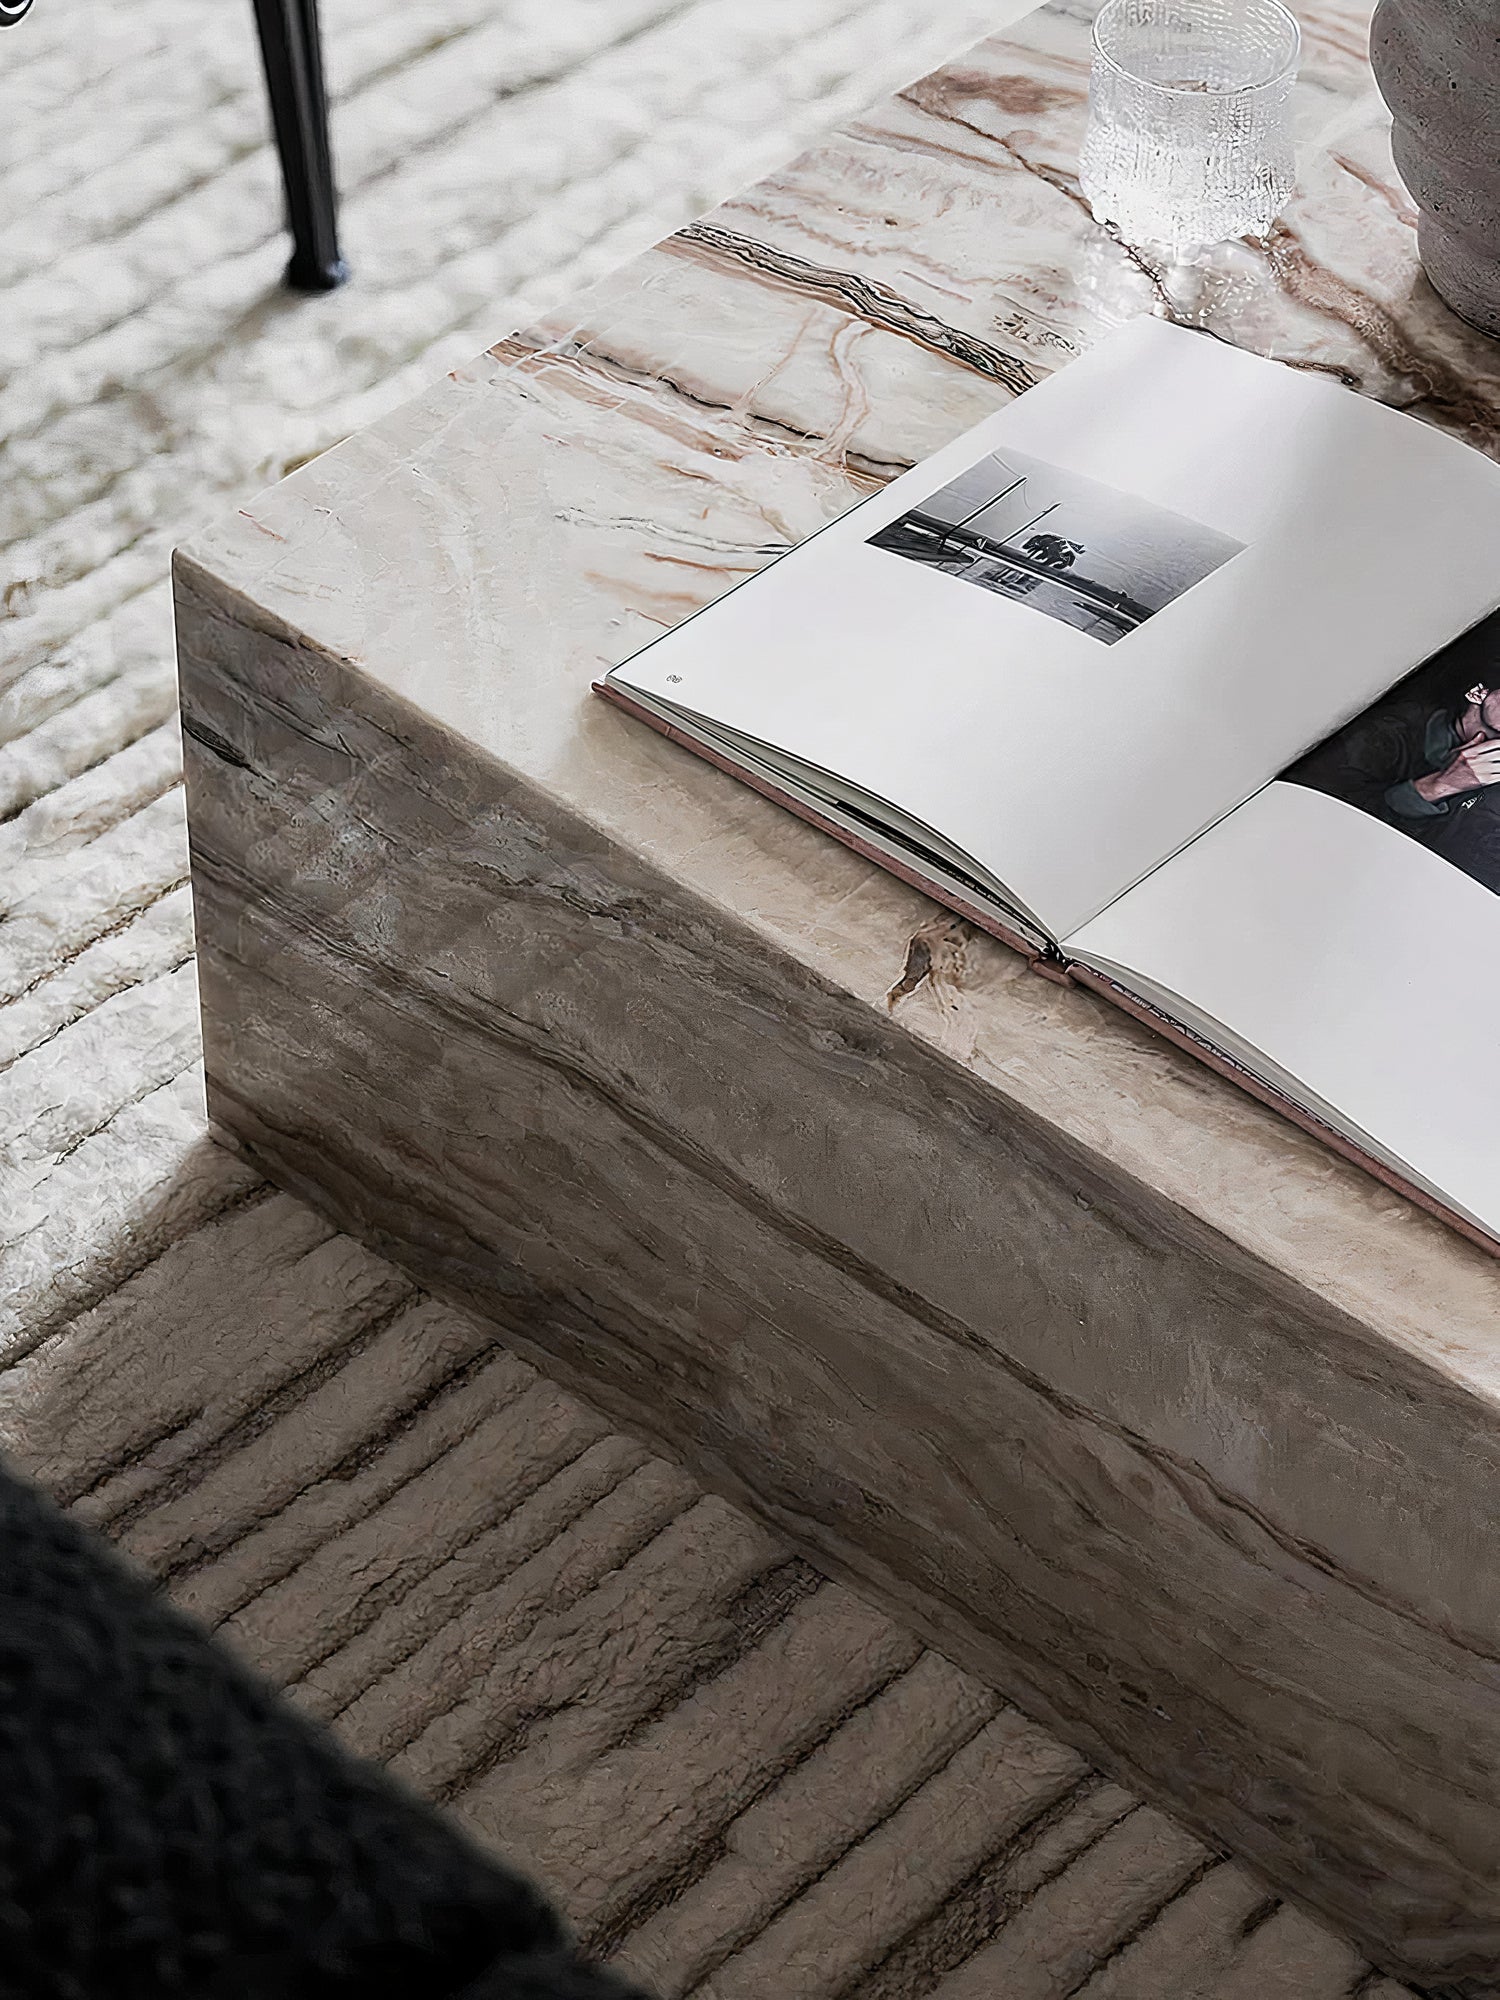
(1189, 138)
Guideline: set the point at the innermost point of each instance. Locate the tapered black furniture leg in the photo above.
(292, 52)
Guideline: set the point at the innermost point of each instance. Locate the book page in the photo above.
(1077, 636)
(1343, 927)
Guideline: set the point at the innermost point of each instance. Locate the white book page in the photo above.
(1353, 958)
(1258, 553)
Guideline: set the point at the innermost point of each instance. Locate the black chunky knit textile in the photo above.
(169, 1827)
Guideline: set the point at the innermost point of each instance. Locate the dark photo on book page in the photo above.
(1087, 554)
(1425, 758)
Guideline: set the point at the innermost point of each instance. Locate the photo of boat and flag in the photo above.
(1098, 559)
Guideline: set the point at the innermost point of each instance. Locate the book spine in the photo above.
(1049, 963)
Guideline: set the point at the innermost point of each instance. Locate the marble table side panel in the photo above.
(705, 1186)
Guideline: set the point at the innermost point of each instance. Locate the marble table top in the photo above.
(489, 548)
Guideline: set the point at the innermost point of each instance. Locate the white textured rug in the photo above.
(388, 1513)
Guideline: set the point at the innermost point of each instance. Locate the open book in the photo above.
(1179, 674)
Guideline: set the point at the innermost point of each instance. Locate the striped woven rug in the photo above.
(738, 1778)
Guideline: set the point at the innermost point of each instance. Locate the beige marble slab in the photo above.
(1171, 1425)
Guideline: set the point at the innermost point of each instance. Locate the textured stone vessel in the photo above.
(1438, 66)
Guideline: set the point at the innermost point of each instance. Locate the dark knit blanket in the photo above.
(169, 1827)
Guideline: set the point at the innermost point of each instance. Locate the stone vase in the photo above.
(1438, 66)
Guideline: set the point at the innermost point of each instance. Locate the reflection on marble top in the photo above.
(490, 547)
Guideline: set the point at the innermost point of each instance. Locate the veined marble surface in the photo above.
(1133, 1397)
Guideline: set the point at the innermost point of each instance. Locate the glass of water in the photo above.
(1189, 138)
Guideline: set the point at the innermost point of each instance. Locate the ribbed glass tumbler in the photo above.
(1189, 137)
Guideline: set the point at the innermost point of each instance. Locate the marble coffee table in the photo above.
(1131, 1398)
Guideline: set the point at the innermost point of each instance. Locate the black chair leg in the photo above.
(292, 52)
